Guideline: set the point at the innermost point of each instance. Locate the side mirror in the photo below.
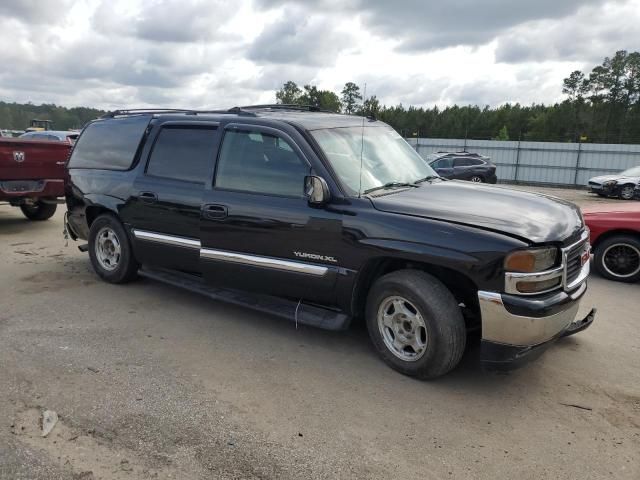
(316, 190)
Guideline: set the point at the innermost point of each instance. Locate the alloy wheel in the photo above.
(107, 248)
(621, 260)
(403, 329)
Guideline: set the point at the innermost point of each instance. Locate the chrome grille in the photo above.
(574, 271)
(574, 261)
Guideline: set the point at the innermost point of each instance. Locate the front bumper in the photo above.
(518, 329)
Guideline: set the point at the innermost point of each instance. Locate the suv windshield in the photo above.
(386, 158)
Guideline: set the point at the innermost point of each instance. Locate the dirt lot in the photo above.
(153, 382)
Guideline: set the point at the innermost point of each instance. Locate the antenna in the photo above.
(364, 99)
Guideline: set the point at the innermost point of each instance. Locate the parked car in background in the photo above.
(615, 240)
(463, 166)
(623, 184)
(51, 136)
(32, 174)
(328, 218)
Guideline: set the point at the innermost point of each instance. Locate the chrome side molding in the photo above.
(232, 257)
(260, 261)
(166, 239)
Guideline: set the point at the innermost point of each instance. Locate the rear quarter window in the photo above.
(109, 144)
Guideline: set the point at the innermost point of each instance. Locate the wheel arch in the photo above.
(614, 233)
(463, 288)
(99, 204)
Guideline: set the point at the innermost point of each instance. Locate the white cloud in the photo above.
(202, 54)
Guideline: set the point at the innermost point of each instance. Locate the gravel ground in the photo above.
(153, 382)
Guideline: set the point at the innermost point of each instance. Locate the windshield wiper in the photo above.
(390, 185)
(428, 178)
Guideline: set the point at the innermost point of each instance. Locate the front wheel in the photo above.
(110, 250)
(627, 192)
(39, 210)
(415, 324)
(618, 258)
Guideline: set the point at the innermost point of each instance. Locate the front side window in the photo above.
(370, 157)
(183, 153)
(256, 162)
(444, 163)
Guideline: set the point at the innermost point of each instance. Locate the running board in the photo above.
(301, 313)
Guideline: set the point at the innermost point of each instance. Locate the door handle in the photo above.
(214, 212)
(148, 197)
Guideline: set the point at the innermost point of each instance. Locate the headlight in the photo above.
(609, 183)
(531, 261)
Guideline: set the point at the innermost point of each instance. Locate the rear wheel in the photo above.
(627, 192)
(477, 179)
(415, 324)
(110, 250)
(618, 258)
(39, 210)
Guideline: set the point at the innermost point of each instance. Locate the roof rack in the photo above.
(247, 110)
(156, 111)
(285, 106)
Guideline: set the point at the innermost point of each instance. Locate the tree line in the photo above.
(601, 106)
(17, 116)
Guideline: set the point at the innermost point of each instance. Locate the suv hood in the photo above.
(530, 216)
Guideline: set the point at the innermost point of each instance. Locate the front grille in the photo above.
(574, 261)
(594, 184)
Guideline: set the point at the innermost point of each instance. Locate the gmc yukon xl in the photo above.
(324, 218)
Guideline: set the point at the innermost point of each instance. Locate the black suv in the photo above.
(323, 218)
(463, 166)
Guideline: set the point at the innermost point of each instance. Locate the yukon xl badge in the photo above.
(18, 156)
(313, 256)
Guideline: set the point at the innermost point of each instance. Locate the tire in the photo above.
(627, 192)
(39, 211)
(476, 179)
(110, 250)
(603, 195)
(442, 337)
(607, 255)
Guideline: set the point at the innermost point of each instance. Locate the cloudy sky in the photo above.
(213, 53)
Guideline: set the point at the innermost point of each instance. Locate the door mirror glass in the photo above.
(316, 190)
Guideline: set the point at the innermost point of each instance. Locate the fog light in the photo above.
(540, 286)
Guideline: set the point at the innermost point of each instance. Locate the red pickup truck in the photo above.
(32, 174)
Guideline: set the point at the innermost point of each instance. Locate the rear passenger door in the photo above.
(258, 229)
(165, 211)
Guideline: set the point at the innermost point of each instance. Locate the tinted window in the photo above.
(109, 144)
(444, 163)
(260, 163)
(183, 153)
(462, 162)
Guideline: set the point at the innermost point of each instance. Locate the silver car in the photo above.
(623, 185)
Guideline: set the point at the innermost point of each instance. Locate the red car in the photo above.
(32, 174)
(615, 240)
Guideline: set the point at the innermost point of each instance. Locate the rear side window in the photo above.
(183, 153)
(260, 163)
(109, 144)
(463, 162)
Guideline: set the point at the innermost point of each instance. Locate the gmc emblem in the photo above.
(18, 156)
(585, 257)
